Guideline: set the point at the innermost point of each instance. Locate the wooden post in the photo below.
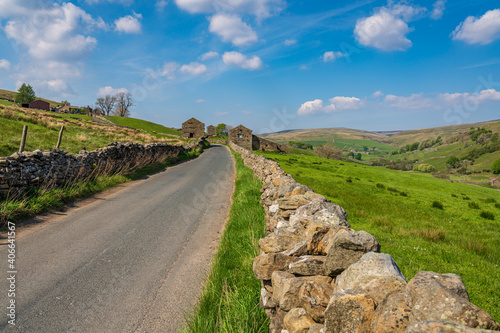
(59, 139)
(23, 138)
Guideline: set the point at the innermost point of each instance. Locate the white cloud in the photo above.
(484, 96)
(377, 93)
(57, 85)
(331, 56)
(209, 55)
(54, 33)
(110, 91)
(240, 60)
(479, 31)
(168, 70)
(129, 24)
(405, 12)
(194, 68)
(304, 67)
(438, 9)
(161, 4)
(199, 101)
(346, 103)
(289, 42)
(313, 107)
(383, 31)
(123, 2)
(259, 8)
(221, 113)
(232, 29)
(4, 64)
(415, 101)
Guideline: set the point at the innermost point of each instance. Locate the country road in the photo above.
(133, 261)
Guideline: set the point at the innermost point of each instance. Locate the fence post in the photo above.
(23, 138)
(59, 139)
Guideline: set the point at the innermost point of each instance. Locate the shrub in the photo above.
(497, 205)
(422, 167)
(403, 194)
(496, 167)
(452, 161)
(349, 180)
(329, 152)
(392, 189)
(454, 195)
(487, 215)
(437, 204)
(465, 197)
(380, 185)
(473, 205)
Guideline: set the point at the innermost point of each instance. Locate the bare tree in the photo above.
(106, 104)
(123, 103)
(329, 152)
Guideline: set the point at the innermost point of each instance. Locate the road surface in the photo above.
(133, 261)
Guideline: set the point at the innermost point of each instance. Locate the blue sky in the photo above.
(268, 64)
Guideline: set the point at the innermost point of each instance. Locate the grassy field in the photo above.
(43, 129)
(230, 299)
(143, 125)
(11, 95)
(402, 210)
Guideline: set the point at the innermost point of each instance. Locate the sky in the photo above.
(270, 65)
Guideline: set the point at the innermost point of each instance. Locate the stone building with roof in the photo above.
(193, 129)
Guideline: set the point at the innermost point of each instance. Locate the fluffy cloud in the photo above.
(4, 64)
(377, 93)
(259, 8)
(168, 70)
(209, 55)
(438, 9)
(383, 31)
(240, 60)
(337, 103)
(479, 31)
(415, 101)
(193, 68)
(129, 24)
(54, 33)
(331, 56)
(232, 29)
(484, 96)
(110, 91)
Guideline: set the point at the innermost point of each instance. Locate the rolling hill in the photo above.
(7, 97)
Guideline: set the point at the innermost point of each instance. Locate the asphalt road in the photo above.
(133, 261)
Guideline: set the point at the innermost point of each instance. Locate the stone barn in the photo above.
(259, 143)
(193, 129)
(241, 136)
(211, 130)
(40, 105)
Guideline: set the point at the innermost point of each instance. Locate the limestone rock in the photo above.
(348, 248)
(308, 265)
(265, 264)
(295, 201)
(266, 299)
(349, 311)
(298, 250)
(297, 321)
(281, 240)
(317, 328)
(375, 274)
(276, 317)
(290, 290)
(392, 314)
(327, 241)
(433, 296)
(314, 297)
(443, 326)
(278, 279)
(320, 210)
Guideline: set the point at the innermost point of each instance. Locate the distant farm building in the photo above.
(211, 130)
(193, 129)
(40, 105)
(259, 143)
(68, 109)
(241, 136)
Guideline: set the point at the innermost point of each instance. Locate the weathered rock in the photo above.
(308, 265)
(266, 299)
(298, 250)
(392, 314)
(297, 321)
(348, 248)
(265, 264)
(314, 297)
(320, 210)
(375, 274)
(291, 287)
(295, 201)
(278, 279)
(317, 328)
(327, 241)
(443, 326)
(281, 240)
(433, 296)
(349, 311)
(276, 317)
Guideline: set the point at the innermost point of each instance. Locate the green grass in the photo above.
(36, 201)
(143, 125)
(456, 239)
(230, 299)
(2, 102)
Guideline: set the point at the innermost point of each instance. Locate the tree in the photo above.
(65, 102)
(106, 104)
(123, 103)
(358, 156)
(221, 129)
(452, 161)
(329, 152)
(496, 167)
(25, 94)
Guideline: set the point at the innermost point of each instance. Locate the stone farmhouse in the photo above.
(211, 130)
(38, 104)
(193, 129)
(243, 137)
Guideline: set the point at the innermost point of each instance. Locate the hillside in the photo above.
(80, 131)
(7, 97)
(143, 125)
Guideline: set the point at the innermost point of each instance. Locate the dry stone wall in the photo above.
(319, 275)
(55, 167)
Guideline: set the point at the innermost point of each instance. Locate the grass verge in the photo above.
(230, 298)
(39, 200)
